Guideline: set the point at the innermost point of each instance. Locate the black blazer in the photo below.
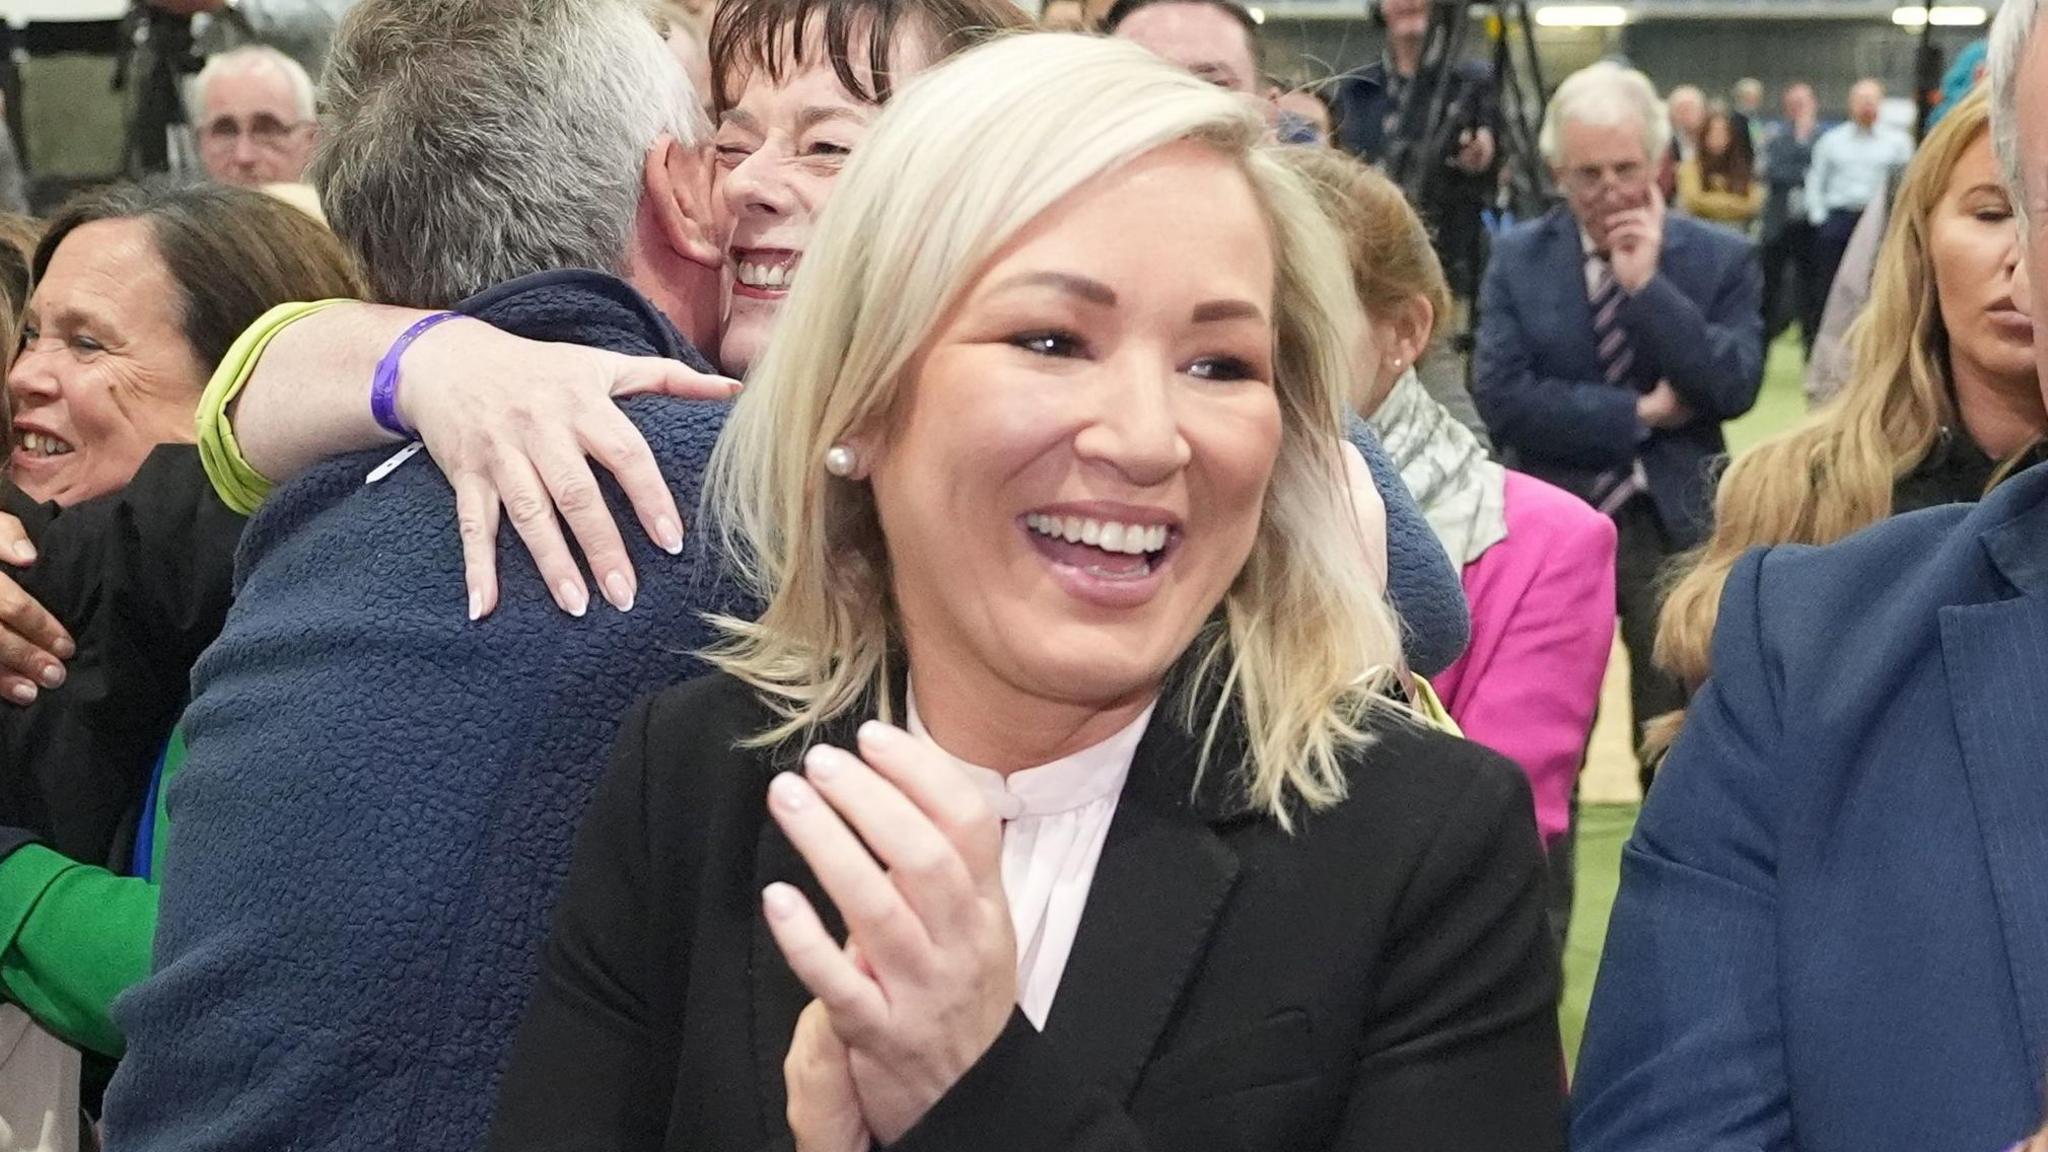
(143, 578)
(1381, 979)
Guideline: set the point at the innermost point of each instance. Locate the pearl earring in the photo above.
(840, 461)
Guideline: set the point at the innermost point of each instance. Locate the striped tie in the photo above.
(1617, 360)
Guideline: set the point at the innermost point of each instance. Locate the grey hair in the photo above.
(2010, 36)
(469, 142)
(1605, 93)
(250, 58)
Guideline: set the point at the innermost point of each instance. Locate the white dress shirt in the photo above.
(1055, 819)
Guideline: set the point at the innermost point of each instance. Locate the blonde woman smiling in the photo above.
(1053, 800)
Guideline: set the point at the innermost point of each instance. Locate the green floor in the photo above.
(1604, 828)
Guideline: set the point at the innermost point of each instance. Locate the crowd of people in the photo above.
(842, 574)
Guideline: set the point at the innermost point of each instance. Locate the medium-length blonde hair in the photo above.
(1833, 473)
(960, 163)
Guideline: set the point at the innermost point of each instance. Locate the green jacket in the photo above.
(73, 937)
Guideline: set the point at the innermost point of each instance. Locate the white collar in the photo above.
(1064, 785)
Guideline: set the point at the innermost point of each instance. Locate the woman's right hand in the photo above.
(514, 424)
(33, 645)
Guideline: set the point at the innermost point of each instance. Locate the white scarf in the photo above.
(1463, 492)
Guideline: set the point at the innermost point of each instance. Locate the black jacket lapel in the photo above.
(1164, 878)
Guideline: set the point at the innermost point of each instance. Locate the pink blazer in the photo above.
(1542, 629)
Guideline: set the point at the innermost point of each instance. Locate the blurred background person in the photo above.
(1852, 166)
(1746, 105)
(1719, 183)
(1786, 236)
(1537, 563)
(1368, 101)
(1687, 106)
(1217, 40)
(1617, 395)
(1306, 107)
(1943, 399)
(252, 109)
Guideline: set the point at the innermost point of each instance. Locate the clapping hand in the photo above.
(928, 977)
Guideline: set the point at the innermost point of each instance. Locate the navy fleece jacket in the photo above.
(380, 796)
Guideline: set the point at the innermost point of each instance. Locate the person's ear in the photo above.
(1413, 324)
(678, 186)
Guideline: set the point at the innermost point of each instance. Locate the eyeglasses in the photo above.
(266, 132)
(1589, 177)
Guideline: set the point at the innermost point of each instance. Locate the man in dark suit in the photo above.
(1368, 103)
(1614, 340)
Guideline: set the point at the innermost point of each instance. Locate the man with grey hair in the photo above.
(1687, 106)
(252, 109)
(1616, 387)
(378, 797)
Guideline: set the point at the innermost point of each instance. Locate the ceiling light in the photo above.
(1582, 16)
(1941, 16)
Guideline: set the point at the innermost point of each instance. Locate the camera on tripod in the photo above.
(1445, 103)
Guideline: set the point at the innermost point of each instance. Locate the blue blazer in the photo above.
(1538, 381)
(1832, 933)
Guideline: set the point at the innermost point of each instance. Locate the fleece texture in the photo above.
(380, 798)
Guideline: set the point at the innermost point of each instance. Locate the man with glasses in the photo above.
(1614, 339)
(253, 114)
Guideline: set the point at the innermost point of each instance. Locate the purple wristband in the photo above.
(384, 386)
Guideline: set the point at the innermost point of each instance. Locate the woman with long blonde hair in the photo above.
(1041, 464)
(1944, 390)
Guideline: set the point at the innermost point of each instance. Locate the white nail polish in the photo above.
(620, 591)
(575, 601)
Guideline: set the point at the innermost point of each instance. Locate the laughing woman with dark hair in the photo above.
(139, 291)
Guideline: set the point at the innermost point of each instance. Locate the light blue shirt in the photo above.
(1850, 166)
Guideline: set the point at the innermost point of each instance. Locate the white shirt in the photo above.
(1850, 167)
(1596, 265)
(1055, 819)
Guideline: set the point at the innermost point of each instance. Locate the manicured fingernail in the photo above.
(24, 551)
(821, 764)
(882, 733)
(736, 386)
(52, 675)
(574, 600)
(619, 591)
(669, 535)
(779, 901)
(64, 649)
(23, 693)
(476, 607)
(789, 792)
